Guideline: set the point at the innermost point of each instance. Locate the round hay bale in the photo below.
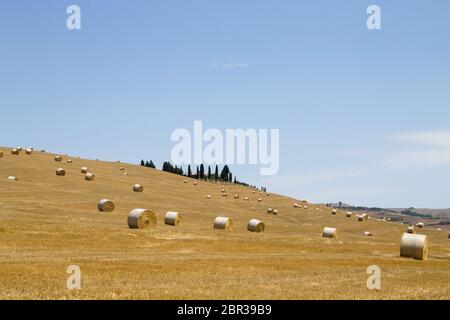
(305, 207)
(360, 218)
(270, 210)
(329, 232)
(195, 183)
(69, 161)
(58, 158)
(420, 225)
(1, 154)
(449, 234)
(410, 230)
(255, 225)
(246, 199)
(84, 170)
(122, 169)
(125, 173)
(12, 178)
(223, 223)
(349, 214)
(254, 191)
(334, 212)
(89, 177)
(275, 212)
(367, 234)
(185, 181)
(296, 205)
(414, 246)
(223, 190)
(105, 205)
(224, 195)
(138, 188)
(29, 151)
(141, 219)
(208, 196)
(172, 218)
(60, 172)
(15, 152)
(268, 194)
(366, 216)
(236, 196)
(259, 200)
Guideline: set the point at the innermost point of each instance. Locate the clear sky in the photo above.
(364, 116)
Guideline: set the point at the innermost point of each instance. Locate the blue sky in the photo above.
(363, 115)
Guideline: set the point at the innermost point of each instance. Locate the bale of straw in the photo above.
(296, 205)
(236, 196)
(223, 223)
(195, 183)
(29, 151)
(223, 190)
(259, 200)
(12, 178)
(84, 170)
(246, 199)
(1, 154)
(172, 218)
(270, 210)
(58, 158)
(367, 234)
(329, 232)
(349, 214)
(420, 225)
(185, 181)
(414, 246)
(410, 230)
(268, 194)
(60, 172)
(255, 225)
(365, 216)
(122, 169)
(449, 234)
(138, 188)
(305, 207)
(334, 212)
(89, 177)
(125, 173)
(208, 196)
(224, 195)
(360, 218)
(141, 219)
(15, 152)
(69, 161)
(105, 205)
(275, 212)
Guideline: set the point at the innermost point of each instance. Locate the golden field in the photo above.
(49, 222)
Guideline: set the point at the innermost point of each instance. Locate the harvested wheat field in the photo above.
(48, 222)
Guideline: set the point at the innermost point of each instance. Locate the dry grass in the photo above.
(49, 222)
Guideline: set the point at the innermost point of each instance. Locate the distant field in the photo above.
(48, 223)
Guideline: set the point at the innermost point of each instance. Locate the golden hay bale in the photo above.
(1, 154)
(420, 225)
(125, 173)
(365, 216)
(329, 232)
(334, 212)
(89, 177)
(29, 151)
(360, 218)
(246, 199)
(223, 190)
(208, 196)
(410, 230)
(236, 196)
(349, 214)
(224, 195)
(58, 158)
(367, 234)
(69, 161)
(223, 223)
(105, 205)
(255, 225)
(122, 169)
(254, 191)
(296, 205)
(414, 246)
(270, 210)
(185, 181)
(19, 148)
(172, 218)
(141, 219)
(195, 183)
(268, 194)
(259, 200)
(275, 212)
(84, 170)
(60, 172)
(305, 207)
(138, 188)
(449, 234)
(12, 178)
(15, 152)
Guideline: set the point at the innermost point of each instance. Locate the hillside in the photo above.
(49, 222)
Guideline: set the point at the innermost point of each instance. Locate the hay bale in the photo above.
(208, 196)
(449, 234)
(125, 173)
(224, 195)
(84, 170)
(268, 194)
(305, 207)
(236, 196)
(420, 225)
(185, 181)
(122, 169)
(138, 188)
(141, 219)
(329, 232)
(410, 230)
(15, 152)
(367, 234)
(19, 148)
(259, 200)
(349, 214)
(275, 212)
(172, 218)
(270, 210)
(195, 183)
(360, 218)
(223, 190)
(29, 151)
(414, 246)
(60, 172)
(223, 223)
(246, 199)
(255, 225)
(42, 150)
(334, 212)
(89, 177)
(105, 205)
(69, 161)
(12, 178)
(365, 216)
(58, 158)
(1, 154)
(296, 205)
